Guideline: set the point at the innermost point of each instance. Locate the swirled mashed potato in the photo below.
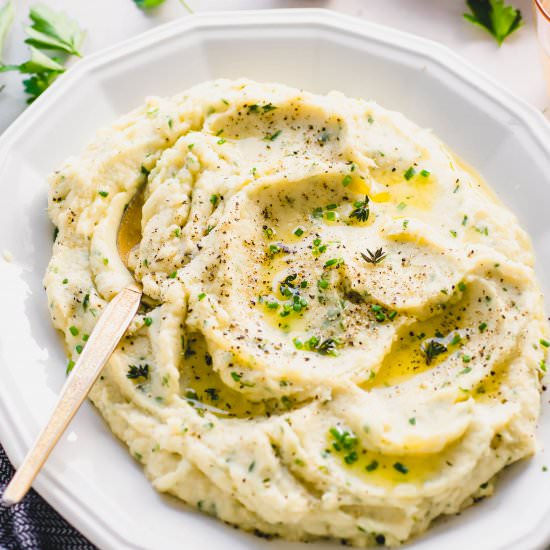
(342, 334)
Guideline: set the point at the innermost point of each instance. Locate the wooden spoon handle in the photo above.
(102, 342)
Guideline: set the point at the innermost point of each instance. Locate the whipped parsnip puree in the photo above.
(341, 335)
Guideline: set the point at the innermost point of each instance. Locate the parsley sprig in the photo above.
(497, 18)
(149, 4)
(6, 19)
(50, 30)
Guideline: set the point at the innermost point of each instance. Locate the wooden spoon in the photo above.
(105, 337)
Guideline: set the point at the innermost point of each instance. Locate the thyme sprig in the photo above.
(374, 257)
(432, 349)
(362, 210)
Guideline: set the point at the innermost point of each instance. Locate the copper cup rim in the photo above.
(542, 9)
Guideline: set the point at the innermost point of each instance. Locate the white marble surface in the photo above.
(516, 64)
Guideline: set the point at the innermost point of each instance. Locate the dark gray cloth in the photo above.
(33, 524)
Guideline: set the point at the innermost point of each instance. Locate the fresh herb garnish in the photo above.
(372, 466)
(137, 371)
(381, 313)
(273, 136)
(432, 349)
(346, 442)
(53, 30)
(409, 173)
(149, 4)
(327, 347)
(70, 366)
(6, 19)
(401, 468)
(238, 378)
(334, 262)
(374, 257)
(147, 321)
(497, 18)
(287, 286)
(50, 30)
(346, 180)
(361, 211)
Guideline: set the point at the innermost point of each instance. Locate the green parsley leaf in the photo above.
(6, 19)
(53, 30)
(148, 4)
(497, 18)
(39, 63)
(38, 83)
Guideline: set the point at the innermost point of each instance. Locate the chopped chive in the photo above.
(334, 262)
(401, 468)
(104, 193)
(274, 136)
(482, 327)
(409, 173)
(544, 343)
(70, 366)
(299, 232)
(73, 330)
(456, 339)
(322, 283)
(346, 180)
(201, 296)
(372, 466)
(424, 173)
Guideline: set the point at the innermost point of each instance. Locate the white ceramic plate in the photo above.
(90, 478)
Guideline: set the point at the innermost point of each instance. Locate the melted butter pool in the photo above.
(408, 356)
(387, 470)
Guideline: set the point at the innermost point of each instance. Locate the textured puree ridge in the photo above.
(342, 334)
